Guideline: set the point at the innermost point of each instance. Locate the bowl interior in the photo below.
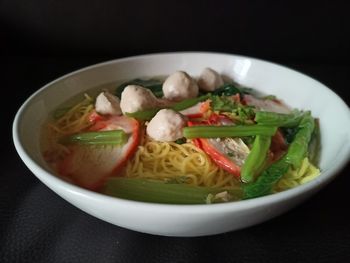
(296, 89)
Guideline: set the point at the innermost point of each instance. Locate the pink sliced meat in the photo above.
(89, 166)
(267, 104)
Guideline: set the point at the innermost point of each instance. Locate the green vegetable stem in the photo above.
(149, 114)
(227, 131)
(157, 191)
(144, 115)
(298, 148)
(189, 103)
(315, 144)
(279, 119)
(256, 159)
(115, 137)
(267, 179)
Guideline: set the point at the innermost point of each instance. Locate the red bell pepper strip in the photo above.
(221, 159)
(196, 142)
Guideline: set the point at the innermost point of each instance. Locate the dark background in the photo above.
(41, 40)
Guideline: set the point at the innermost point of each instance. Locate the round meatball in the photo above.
(209, 80)
(107, 103)
(166, 126)
(136, 98)
(179, 86)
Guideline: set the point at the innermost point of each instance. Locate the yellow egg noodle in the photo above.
(169, 160)
(294, 177)
(74, 120)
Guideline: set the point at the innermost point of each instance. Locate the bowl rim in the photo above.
(50, 179)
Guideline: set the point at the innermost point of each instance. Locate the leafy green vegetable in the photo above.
(315, 144)
(268, 178)
(222, 103)
(154, 85)
(244, 113)
(227, 89)
(296, 152)
(227, 104)
(146, 190)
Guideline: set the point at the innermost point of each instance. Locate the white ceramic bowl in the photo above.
(296, 89)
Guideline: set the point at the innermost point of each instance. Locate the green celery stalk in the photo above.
(143, 115)
(315, 145)
(297, 150)
(279, 119)
(157, 191)
(115, 137)
(146, 115)
(188, 103)
(227, 131)
(256, 159)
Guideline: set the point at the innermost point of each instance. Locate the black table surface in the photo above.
(36, 225)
